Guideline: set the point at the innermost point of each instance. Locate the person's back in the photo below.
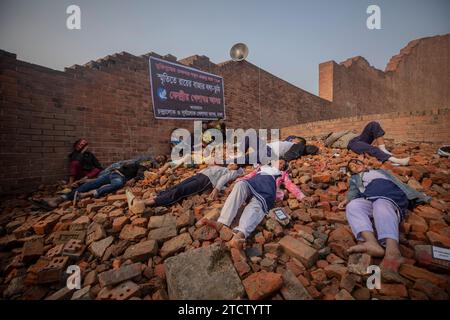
(340, 139)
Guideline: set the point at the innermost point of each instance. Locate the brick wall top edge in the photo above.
(372, 116)
(7, 54)
(125, 58)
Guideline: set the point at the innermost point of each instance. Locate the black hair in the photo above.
(303, 140)
(240, 165)
(286, 164)
(163, 156)
(354, 160)
(76, 142)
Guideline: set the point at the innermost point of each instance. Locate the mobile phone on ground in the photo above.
(279, 213)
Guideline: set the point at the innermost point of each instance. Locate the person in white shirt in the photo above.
(275, 150)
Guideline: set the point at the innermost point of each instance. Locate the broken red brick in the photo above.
(262, 285)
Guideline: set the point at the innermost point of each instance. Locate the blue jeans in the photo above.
(103, 185)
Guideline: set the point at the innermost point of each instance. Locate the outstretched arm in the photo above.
(292, 187)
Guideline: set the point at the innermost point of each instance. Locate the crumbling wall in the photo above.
(417, 78)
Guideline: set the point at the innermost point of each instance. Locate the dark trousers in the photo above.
(186, 188)
(363, 143)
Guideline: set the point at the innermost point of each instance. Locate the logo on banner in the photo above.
(162, 94)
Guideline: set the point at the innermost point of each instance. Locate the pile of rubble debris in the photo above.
(162, 254)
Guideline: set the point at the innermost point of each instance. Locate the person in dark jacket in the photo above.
(377, 195)
(104, 184)
(214, 177)
(153, 162)
(83, 163)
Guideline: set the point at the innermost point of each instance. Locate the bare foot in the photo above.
(392, 262)
(371, 248)
(207, 222)
(150, 202)
(83, 195)
(54, 202)
(237, 241)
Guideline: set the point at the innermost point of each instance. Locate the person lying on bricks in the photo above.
(291, 148)
(377, 195)
(173, 165)
(215, 177)
(83, 164)
(184, 161)
(105, 184)
(152, 162)
(207, 135)
(189, 161)
(372, 133)
(262, 187)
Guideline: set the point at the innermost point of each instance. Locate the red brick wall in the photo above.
(421, 126)
(417, 78)
(108, 102)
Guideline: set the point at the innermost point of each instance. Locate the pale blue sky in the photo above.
(286, 38)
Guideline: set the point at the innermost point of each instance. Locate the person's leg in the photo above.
(371, 132)
(235, 199)
(54, 202)
(116, 181)
(386, 222)
(361, 147)
(188, 187)
(94, 184)
(381, 145)
(379, 141)
(171, 195)
(251, 217)
(359, 212)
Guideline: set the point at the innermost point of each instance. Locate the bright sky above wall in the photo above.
(286, 38)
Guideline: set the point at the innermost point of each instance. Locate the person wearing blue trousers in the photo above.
(104, 184)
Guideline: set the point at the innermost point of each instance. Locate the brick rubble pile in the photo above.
(162, 254)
